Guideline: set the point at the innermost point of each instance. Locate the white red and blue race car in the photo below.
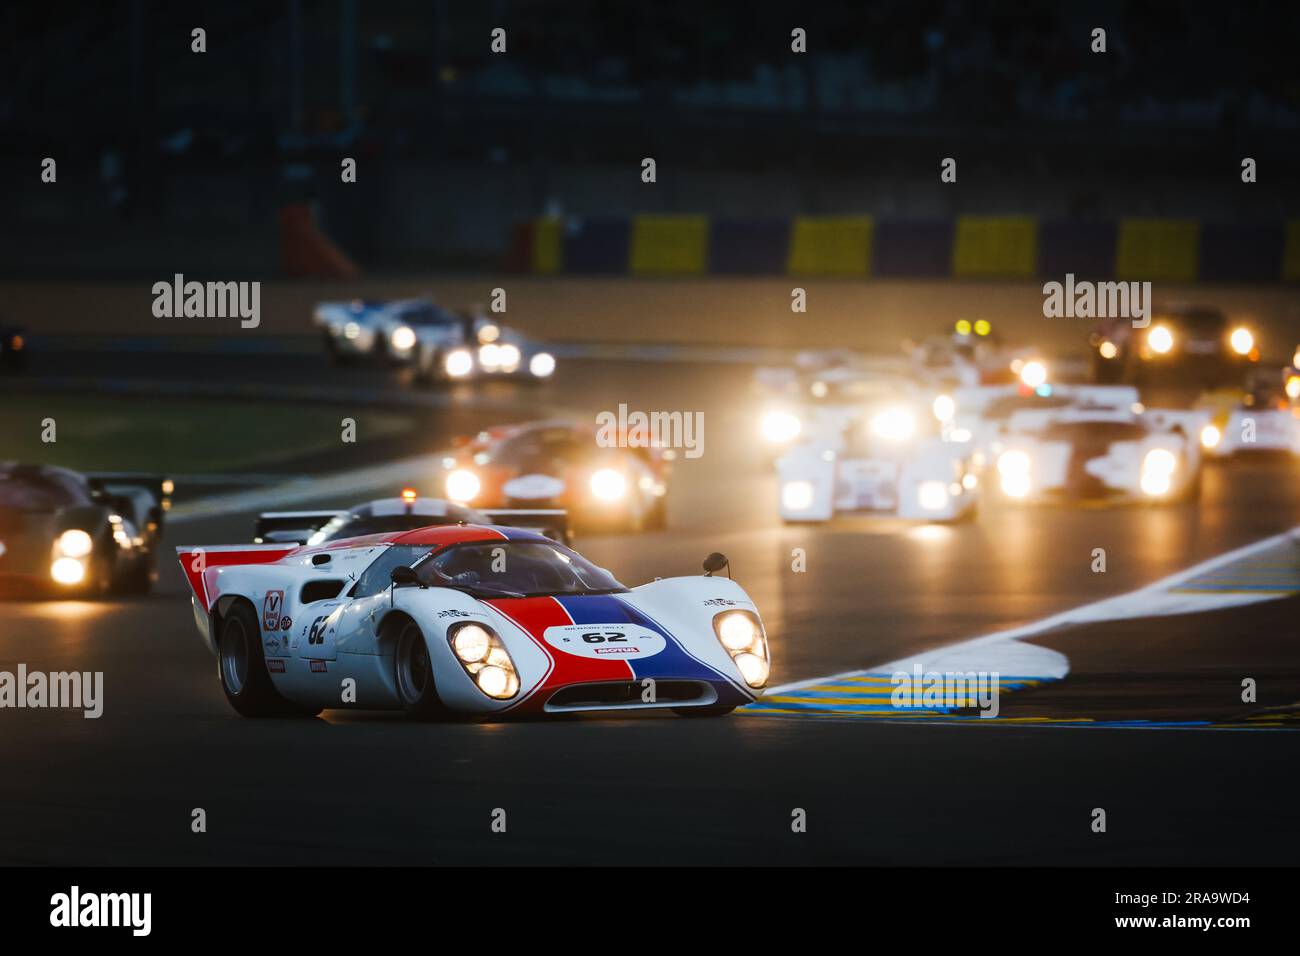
(468, 619)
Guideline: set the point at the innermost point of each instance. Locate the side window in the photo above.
(378, 576)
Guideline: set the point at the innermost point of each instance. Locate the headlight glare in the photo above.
(463, 485)
(75, 543)
(781, 427)
(894, 424)
(607, 484)
(403, 338)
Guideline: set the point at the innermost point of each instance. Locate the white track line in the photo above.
(1132, 604)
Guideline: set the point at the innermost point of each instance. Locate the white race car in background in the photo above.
(471, 346)
(1264, 418)
(819, 402)
(980, 417)
(1097, 453)
(881, 452)
(350, 329)
(468, 619)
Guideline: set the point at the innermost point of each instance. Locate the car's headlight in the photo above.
(1160, 340)
(471, 644)
(508, 356)
(781, 427)
(489, 356)
(479, 650)
(607, 484)
(75, 544)
(1210, 437)
(1013, 467)
(351, 331)
(742, 636)
(458, 363)
(489, 333)
(1293, 387)
(797, 495)
(68, 571)
(894, 424)
(403, 338)
(1108, 349)
(1033, 373)
(463, 485)
(1242, 340)
(1158, 469)
(944, 408)
(542, 364)
(932, 495)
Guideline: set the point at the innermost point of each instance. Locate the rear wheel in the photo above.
(242, 668)
(715, 710)
(414, 674)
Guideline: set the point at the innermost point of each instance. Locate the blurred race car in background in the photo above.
(404, 513)
(79, 534)
(560, 465)
(980, 417)
(877, 447)
(471, 346)
(1184, 344)
(971, 354)
(1100, 452)
(1264, 417)
(468, 619)
(13, 348)
(349, 329)
(818, 401)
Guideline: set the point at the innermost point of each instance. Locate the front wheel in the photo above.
(414, 674)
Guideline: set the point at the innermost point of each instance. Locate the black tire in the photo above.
(241, 666)
(413, 674)
(713, 710)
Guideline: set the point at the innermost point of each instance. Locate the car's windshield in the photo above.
(354, 525)
(515, 569)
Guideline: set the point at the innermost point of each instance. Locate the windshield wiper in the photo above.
(577, 593)
(474, 590)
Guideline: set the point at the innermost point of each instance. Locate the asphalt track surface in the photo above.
(651, 789)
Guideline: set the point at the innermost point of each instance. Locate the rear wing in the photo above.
(552, 522)
(290, 527)
(201, 563)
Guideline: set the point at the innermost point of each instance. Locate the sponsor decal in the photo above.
(318, 667)
(275, 667)
(285, 623)
(605, 640)
(453, 613)
(720, 602)
(271, 606)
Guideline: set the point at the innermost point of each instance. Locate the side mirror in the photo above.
(715, 563)
(404, 575)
